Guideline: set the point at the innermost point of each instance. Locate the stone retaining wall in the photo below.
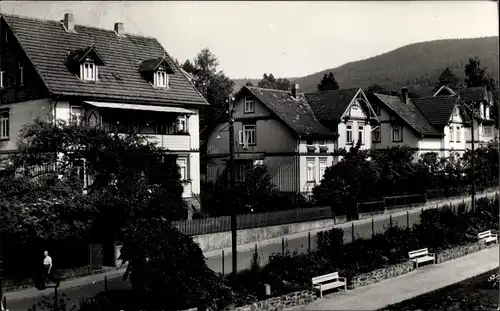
(279, 303)
(381, 274)
(460, 251)
(406, 267)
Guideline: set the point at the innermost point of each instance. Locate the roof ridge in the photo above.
(266, 89)
(79, 25)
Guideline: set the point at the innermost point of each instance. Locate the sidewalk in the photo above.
(415, 283)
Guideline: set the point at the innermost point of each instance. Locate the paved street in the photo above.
(363, 228)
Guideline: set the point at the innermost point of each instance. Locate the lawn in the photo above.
(472, 294)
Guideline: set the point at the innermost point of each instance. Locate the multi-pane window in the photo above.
(249, 105)
(311, 170)
(4, 124)
(452, 133)
(161, 79)
(182, 163)
(458, 133)
(322, 167)
(76, 114)
(349, 134)
(88, 71)
(487, 131)
(376, 135)
(249, 134)
(397, 133)
(360, 134)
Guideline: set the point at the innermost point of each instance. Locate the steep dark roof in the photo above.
(330, 105)
(410, 114)
(437, 109)
(296, 113)
(474, 94)
(48, 45)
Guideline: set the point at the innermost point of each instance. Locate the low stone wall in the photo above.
(381, 274)
(279, 303)
(460, 251)
(406, 267)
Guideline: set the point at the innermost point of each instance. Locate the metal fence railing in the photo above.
(247, 221)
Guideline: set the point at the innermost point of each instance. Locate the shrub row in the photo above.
(439, 229)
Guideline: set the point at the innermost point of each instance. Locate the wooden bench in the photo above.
(487, 236)
(421, 255)
(328, 281)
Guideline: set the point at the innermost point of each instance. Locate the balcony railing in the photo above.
(171, 142)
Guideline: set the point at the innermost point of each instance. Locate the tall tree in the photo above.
(283, 84)
(448, 78)
(188, 66)
(328, 83)
(215, 86)
(249, 83)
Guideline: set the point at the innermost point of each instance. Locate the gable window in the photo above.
(397, 133)
(247, 135)
(76, 114)
(249, 105)
(161, 79)
(322, 167)
(4, 124)
(21, 74)
(182, 163)
(88, 71)
(487, 131)
(349, 134)
(311, 170)
(455, 111)
(376, 135)
(360, 134)
(452, 132)
(458, 133)
(181, 124)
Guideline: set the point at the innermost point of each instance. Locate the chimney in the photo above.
(404, 94)
(295, 90)
(69, 23)
(119, 29)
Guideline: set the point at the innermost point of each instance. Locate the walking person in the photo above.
(47, 269)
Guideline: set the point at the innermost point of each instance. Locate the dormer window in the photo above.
(156, 71)
(85, 63)
(88, 71)
(161, 79)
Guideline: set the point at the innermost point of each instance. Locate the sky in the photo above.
(286, 38)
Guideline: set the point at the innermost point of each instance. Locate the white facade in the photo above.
(185, 146)
(314, 164)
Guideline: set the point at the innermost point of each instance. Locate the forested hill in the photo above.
(416, 65)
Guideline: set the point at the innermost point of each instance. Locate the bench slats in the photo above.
(418, 253)
(326, 277)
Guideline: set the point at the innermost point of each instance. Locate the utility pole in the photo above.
(231, 183)
(473, 164)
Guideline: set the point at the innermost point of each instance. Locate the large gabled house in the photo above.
(481, 101)
(99, 77)
(427, 124)
(275, 128)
